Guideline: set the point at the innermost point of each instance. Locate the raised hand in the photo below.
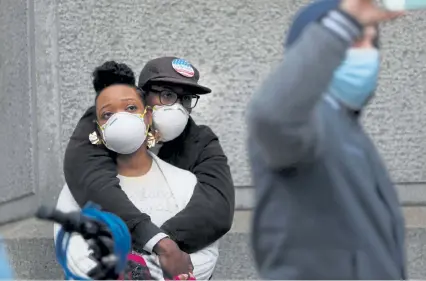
(367, 12)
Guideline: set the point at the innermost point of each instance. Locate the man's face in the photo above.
(367, 41)
(171, 94)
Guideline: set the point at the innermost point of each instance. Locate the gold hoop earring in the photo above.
(152, 138)
(94, 139)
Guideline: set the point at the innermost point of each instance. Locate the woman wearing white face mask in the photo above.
(173, 90)
(155, 187)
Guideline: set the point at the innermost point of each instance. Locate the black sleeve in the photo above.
(210, 212)
(91, 174)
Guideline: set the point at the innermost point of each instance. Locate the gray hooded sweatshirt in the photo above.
(325, 205)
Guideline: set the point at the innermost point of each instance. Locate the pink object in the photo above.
(141, 261)
(136, 258)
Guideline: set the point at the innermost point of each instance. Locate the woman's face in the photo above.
(119, 98)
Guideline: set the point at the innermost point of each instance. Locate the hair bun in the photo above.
(110, 73)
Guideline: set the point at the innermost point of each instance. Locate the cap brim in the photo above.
(201, 90)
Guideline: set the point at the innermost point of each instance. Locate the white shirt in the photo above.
(151, 194)
(161, 193)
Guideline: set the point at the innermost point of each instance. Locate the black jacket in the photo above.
(91, 174)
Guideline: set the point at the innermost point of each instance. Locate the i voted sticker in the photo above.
(183, 67)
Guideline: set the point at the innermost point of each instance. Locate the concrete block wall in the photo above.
(48, 49)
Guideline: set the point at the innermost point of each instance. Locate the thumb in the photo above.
(183, 277)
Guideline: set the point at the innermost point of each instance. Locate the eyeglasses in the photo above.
(168, 97)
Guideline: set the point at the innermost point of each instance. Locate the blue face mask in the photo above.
(355, 80)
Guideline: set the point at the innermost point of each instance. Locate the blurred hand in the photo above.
(367, 12)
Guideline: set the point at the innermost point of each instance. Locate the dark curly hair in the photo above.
(113, 73)
(110, 73)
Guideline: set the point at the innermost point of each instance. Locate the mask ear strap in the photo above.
(99, 130)
(145, 110)
(143, 116)
(99, 126)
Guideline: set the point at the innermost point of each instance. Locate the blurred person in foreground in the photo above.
(326, 207)
(90, 171)
(5, 269)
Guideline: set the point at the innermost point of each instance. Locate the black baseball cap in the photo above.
(171, 70)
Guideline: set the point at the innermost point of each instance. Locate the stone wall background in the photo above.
(48, 49)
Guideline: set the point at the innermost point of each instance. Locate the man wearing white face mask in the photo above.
(326, 207)
(90, 171)
(173, 91)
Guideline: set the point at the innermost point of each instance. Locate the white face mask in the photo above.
(170, 120)
(124, 132)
